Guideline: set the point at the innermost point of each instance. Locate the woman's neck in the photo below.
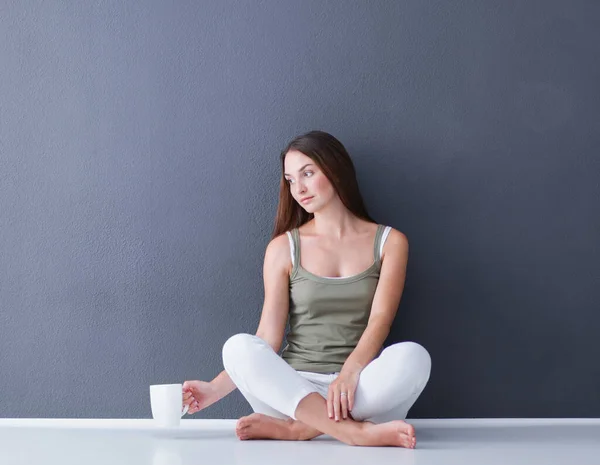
(335, 223)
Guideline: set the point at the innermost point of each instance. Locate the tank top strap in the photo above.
(295, 243)
(377, 244)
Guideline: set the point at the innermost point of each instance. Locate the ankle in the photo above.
(297, 431)
(302, 432)
(360, 435)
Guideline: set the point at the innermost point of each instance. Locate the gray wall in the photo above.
(139, 178)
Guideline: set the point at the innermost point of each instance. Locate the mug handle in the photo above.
(185, 410)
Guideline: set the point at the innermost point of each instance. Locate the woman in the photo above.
(339, 277)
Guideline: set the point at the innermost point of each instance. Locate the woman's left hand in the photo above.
(340, 397)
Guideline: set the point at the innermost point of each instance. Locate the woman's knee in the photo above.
(414, 354)
(236, 348)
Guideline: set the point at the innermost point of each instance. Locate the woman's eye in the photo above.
(310, 173)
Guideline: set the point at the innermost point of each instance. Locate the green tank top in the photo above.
(327, 316)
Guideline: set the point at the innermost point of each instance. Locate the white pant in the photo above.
(387, 387)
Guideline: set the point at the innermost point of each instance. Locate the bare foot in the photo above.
(260, 426)
(393, 433)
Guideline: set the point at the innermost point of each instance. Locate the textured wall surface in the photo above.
(139, 179)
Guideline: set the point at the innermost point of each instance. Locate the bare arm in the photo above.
(275, 310)
(271, 329)
(385, 302)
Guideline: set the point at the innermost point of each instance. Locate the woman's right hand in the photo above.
(198, 395)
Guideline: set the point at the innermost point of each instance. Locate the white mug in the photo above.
(166, 401)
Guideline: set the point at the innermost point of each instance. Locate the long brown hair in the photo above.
(332, 158)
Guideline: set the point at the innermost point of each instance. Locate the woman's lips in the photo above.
(307, 200)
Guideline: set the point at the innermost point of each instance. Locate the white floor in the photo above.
(447, 442)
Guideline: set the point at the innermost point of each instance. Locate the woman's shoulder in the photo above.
(277, 254)
(278, 250)
(279, 244)
(396, 236)
(396, 242)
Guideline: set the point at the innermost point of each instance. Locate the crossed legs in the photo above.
(289, 406)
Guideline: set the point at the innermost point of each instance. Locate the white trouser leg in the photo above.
(261, 407)
(268, 383)
(390, 384)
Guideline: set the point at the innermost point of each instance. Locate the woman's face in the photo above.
(308, 184)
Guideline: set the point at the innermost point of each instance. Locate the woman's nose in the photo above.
(301, 188)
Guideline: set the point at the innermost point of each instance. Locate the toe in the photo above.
(406, 428)
(244, 434)
(242, 423)
(406, 441)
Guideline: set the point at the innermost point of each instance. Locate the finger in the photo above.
(344, 404)
(336, 404)
(194, 408)
(330, 404)
(350, 400)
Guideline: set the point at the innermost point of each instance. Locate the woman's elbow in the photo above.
(273, 340)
